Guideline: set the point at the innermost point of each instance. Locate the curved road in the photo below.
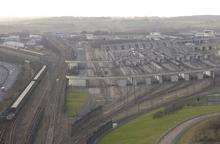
(169, 137)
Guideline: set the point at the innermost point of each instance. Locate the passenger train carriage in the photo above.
(19, 102)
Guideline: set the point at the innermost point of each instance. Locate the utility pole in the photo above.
(127, 98)
(132, 79)
(213, 78)
(135, 96)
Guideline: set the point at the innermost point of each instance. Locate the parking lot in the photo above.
(8, 76)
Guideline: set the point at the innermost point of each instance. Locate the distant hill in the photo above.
(137, 24)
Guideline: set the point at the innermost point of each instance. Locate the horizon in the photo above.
(113, 8)
(125, 17)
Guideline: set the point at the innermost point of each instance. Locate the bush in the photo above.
(173, 107)
(158, 114)
(168, 110)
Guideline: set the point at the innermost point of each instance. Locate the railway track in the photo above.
(20, 129)
(165, 91)
(23, 125)
(90, 127)
(145, 97)
(53, 101)
(39, 109)
(132, 116)
(3, 130)
(56, 130)
(2, 134)
(32, 129)
(132, 97)
(11, 134)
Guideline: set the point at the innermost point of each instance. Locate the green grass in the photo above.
(75, 100)
(146, 130)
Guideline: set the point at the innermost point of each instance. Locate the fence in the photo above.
(100, 132)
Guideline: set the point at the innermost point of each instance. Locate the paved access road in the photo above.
(173, 133)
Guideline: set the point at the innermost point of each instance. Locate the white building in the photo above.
(89, 36)
(77, 83)
(11, 38)
(206, 34)
(209, 33)
(155, 36)
(35, 37)
(31, 43)
(14, 44)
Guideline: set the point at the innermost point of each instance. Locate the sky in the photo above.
(114, 8)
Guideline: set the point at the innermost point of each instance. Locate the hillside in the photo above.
(138, 24)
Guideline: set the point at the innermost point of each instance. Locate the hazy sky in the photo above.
(27, 8)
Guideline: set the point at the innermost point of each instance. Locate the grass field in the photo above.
(75, 100)
(146, 130)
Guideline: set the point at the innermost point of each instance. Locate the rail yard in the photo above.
(124, 76)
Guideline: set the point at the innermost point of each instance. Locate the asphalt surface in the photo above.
(170, 137)
(8, 76)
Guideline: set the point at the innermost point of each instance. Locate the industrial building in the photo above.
(14, 44)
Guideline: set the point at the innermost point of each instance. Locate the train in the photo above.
(15, 107)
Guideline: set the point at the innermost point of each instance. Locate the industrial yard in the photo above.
(107, 87)
(127, 77)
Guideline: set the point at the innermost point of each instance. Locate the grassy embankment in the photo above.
(207, 131)
(75, 100)
(147, 130)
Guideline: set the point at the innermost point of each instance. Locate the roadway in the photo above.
(171, 136)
